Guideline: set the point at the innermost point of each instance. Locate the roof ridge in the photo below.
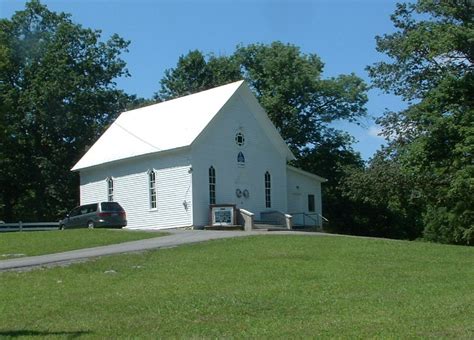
(170, 101)
(167, 125)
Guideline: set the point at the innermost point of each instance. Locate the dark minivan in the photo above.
(103, 214)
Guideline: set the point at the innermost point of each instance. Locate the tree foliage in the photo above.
(57, 92)
(388, 200)
(194, 73)
(299, 101)
(432, 140)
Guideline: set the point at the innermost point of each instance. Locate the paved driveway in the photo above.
(176, 237)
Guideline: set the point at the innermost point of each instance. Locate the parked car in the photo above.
(102, 214)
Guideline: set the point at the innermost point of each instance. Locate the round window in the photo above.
(239, 138)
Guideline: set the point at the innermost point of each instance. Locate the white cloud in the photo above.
(375, 131)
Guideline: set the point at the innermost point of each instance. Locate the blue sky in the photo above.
(341, 32)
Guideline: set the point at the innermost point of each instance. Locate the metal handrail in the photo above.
(310, 216)
(316, 222)
(324, 218)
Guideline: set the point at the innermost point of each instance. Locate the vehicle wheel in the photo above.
(90, 225)
(61, 227)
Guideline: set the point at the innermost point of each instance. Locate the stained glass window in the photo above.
(110, 189)
(268, 187)
(240, 159)
(212, 185)
(152, 188)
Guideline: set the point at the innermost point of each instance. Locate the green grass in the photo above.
(46, 242)
(256, 287)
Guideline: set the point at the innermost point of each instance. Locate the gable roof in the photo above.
(164, 126)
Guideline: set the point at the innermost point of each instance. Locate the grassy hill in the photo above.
(33, 243)
(262, 286)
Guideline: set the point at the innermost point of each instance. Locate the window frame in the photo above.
(311, 203)
(110, 189)
(212, 185)
(268, 190)
(241, 159)
(152, 192)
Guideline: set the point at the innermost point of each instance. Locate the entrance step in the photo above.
(266, 222)
(269, 226)
(224, 227)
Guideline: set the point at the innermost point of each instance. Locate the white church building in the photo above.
(213, 157)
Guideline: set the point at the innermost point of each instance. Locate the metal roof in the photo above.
(159, 127)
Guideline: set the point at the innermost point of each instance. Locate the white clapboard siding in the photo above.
(217, 147)
(131, 189)
(93, 191)
(300, 185)
(173, 190)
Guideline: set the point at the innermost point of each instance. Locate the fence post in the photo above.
(21, 225)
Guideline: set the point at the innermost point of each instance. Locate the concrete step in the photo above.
(266, 222)
(269, 227)
(224, 227)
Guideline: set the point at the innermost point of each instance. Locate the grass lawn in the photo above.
(264, 286)
(32, 243)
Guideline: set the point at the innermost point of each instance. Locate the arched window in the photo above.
(268, 187)
(241, 159)
(212, 185)
(110, 189)
(152, 188)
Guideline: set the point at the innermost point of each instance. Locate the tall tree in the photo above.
(194, 73)
(290, 86)
(388, 201)
(57, 92)
(431, 67)
(301, 103)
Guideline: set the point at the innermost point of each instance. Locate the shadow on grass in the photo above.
(28, 332)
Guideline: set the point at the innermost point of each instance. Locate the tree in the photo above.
(289, 85)
(194, 74)
(389, 202)
(57, 92)
(431, 67)
(300, 102)
(135, 102)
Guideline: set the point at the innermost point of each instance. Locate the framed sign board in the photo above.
(222, 215)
